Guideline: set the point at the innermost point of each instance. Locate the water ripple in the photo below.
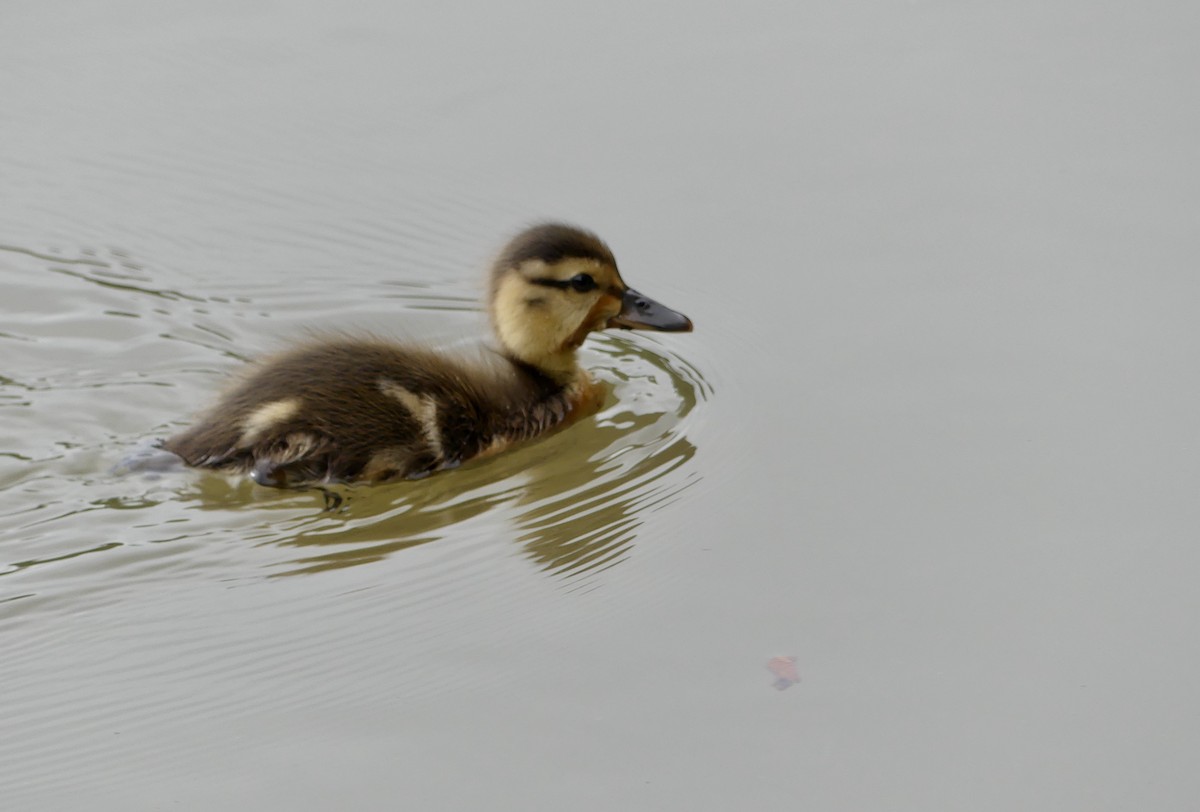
(573, 504)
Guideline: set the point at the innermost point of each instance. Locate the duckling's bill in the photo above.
(640, 312)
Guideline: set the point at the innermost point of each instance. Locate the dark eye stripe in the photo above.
(580, 283)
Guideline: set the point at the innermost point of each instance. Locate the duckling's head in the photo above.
(552, 285)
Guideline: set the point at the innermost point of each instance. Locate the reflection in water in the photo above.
(573, 500)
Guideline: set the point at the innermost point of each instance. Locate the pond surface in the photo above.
(909, 522)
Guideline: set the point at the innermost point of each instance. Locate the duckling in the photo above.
(367, 410)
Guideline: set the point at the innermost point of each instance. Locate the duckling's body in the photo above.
(369, 410)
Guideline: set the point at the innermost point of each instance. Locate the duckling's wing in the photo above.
(294, 459)
(281, 460)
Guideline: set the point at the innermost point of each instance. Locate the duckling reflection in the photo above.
(573, 503)
(353, 410)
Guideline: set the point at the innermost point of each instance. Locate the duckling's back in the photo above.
(366, 410)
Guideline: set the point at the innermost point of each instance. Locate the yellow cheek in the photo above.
(597, 319)
(605, 308)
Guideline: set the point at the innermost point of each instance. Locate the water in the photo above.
(932, 436)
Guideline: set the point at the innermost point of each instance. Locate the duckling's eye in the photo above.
(582, 283)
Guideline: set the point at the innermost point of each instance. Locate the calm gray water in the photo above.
(934, 435)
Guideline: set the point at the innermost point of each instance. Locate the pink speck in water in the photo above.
(784, 669)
